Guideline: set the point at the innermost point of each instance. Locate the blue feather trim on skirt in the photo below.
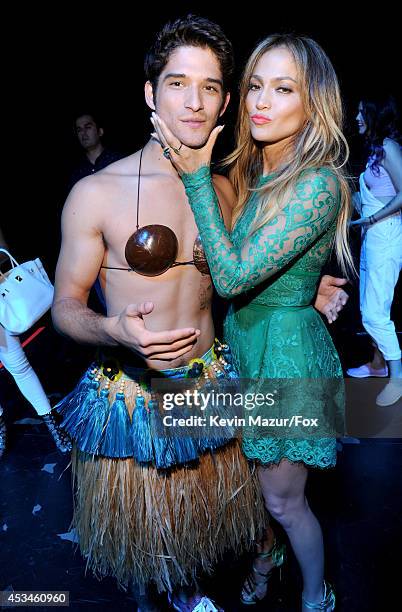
(112, 412)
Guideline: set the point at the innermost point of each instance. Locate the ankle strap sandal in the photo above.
(327, 603)
(277, 554)
(60, 437)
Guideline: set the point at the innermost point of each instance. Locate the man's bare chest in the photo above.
(167, 208)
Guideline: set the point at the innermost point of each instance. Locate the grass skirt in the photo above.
(147, 524)
(139, 523)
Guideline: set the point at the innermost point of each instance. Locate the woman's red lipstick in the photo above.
(260, 119)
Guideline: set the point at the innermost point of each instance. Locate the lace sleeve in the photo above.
(304, 219)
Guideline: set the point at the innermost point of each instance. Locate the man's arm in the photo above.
(79, 262)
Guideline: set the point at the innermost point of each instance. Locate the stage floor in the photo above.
(359, 504)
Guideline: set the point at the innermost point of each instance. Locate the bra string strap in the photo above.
(138, 188)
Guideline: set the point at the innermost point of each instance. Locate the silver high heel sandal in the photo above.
(327, 603)
(277, 554)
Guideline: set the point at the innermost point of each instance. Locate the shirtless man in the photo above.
(188, 70)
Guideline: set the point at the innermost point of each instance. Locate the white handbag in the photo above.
(26, 293)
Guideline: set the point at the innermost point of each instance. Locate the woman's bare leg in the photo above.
(283, 489)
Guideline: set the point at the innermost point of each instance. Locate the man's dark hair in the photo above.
(189, 31)
(83, 112)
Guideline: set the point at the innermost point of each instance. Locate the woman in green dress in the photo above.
(292, 206)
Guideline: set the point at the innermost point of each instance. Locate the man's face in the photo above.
(189, 96)
(88, 133)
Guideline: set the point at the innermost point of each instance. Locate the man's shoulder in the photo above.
(89, 186)
(88, 197)
(100, 183)
(125, 166)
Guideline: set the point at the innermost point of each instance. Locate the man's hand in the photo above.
(330, 298)
(128, 328)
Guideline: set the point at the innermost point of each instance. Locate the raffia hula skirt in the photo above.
(151, 509)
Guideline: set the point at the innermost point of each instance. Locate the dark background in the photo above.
(67, 58)
(71, 58)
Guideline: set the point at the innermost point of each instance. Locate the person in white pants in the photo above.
(381, 253)
(13, 358)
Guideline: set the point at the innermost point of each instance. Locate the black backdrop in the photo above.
(72, 57)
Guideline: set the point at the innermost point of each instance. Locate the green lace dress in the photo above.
(273, 330)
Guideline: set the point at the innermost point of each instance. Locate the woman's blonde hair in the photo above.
(319, 143)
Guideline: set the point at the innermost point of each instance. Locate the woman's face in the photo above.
(273, 102)
(361, 124)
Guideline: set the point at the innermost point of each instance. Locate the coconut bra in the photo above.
(152, 249)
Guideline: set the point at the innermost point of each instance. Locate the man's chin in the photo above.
(193, 138)
(195, 143)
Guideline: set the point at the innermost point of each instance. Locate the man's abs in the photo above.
(181, 297)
